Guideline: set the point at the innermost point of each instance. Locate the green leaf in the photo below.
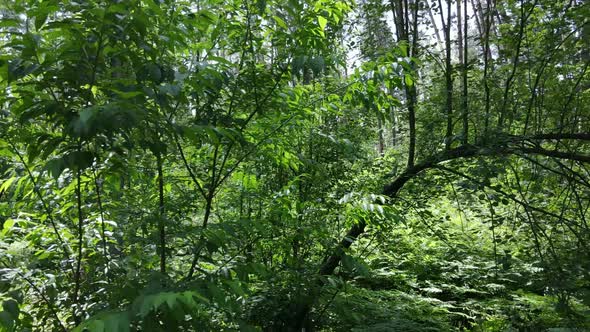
(96, 326)
(322, 21)
(8, 224)
(79, 160)
(353, 265)
(204, 19)
(106, 322)
(3, 69)
(408, 80)
(11, 306)
(86, 115)
(155, 7)
(188, 298)
(40, 19)
(128, 94)
(118, 322)
(280, 22)
(171, 300)
(145, 306)
(219, 59)
(55, 167)
(6, 321)
(6, 184)
(7, 22)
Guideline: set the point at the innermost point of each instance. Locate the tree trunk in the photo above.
(161, 215)
(486, 61)
(436, 32)
(400, 10)
(381, 146)
(463, 49)
(448, 75)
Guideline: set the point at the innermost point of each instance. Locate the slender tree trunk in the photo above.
(478, 16)
(161, 215)
(411, 96)
(208, 207)
(400, 14)
(413, 90)
(486, 60)
(463, 51)
(406, 10)
(460, 31)
(398, 18)
(484, 23)
(381, 148)
(523, 19)
(78, 272)
(433, 21)
(448, 75)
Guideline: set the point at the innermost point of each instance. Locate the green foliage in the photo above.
(220, 165)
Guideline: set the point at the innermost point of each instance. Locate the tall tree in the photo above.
(407, 35)
(208, 166)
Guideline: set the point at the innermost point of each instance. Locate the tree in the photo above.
(208, 166)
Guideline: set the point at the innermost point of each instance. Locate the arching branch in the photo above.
(508, 145)
(505, 145)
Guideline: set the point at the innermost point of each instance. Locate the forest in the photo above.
(294, 165)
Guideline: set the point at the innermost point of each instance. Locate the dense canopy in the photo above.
(294, 165)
